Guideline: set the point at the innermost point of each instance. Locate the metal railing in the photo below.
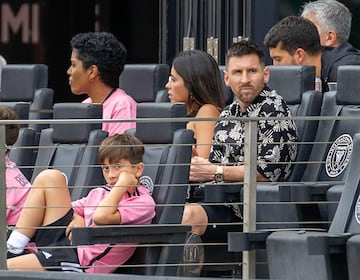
(249, 203)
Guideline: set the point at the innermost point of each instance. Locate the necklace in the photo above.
(107, 97)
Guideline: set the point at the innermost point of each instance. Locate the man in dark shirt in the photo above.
(333, 21)
(295, 41)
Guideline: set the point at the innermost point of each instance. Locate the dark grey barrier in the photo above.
(15, 275)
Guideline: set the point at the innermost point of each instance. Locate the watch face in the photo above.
(219, 177)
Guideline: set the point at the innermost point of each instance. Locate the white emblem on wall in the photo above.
(339, 155)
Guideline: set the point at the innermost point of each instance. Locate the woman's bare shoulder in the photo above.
(208, 110)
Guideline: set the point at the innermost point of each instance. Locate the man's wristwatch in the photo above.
(219, 176)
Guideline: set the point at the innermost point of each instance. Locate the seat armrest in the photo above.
(217, 192)
(327, 244)
(127, 234)
(245, 241)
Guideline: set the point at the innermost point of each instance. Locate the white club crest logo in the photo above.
(148, 183)
(357, 210)
(339, 155)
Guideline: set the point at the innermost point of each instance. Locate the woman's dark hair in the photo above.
(103, 50)
(202, 78)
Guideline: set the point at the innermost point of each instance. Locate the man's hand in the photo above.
(201, 170)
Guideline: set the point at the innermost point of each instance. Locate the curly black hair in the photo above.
(103, 50)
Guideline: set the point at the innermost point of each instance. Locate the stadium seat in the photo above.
(167, 157)
(320, 255)
(352, 253)
(303, 101)
(143, 81)
(19, 81)
(228, 94)
(24, 89)
(22, 152)
(347, 91)
(73, 147)
(41, 108)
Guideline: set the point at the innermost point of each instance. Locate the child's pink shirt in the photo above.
(134, 209)
(17, 189)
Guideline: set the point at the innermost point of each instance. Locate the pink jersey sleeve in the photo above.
(137, 209)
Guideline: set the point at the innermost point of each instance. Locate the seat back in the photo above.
(19, 81)
(22, 109)
(73, 147)
(143, 81)
(167, 156)
(347, 216)
(228, 94)
(23, 88)
(331, 153)
(22, 152)
(41, 107)
(163, 155)
(302, 100)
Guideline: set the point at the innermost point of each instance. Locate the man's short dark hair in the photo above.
(245, 47)
(294, 32)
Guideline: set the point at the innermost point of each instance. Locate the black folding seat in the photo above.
(73, 147)
(24, 89)
(321, 255)
(143, 81)
(22, 152)
(167, 156)
(348, 89)
(296, 85)
(330, 153)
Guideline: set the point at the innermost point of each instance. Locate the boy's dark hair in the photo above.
(121, 146)
(245, 47)
(294, 32)
(103, 50)
(11, 130)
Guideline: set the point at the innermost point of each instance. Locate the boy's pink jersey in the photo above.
(17, 189)
(138, 208)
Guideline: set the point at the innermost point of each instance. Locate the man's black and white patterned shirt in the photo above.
(276, 137)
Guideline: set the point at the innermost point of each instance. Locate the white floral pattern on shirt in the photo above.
(276, 137)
